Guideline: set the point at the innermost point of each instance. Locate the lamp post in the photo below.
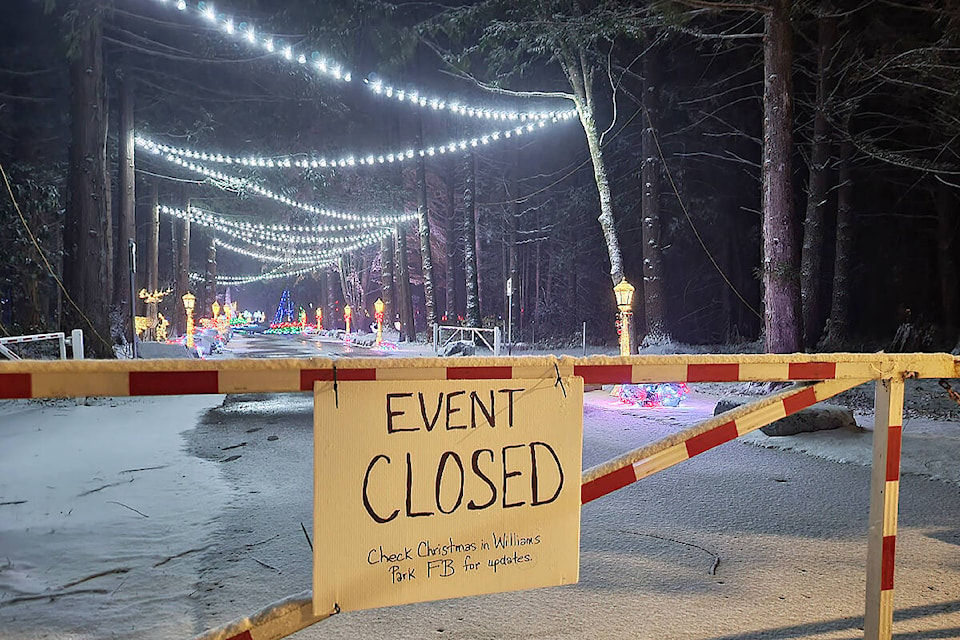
(215, 307)
(189, 300)
(624, 293)
(378, 314)
(319, 318)
(347, 312)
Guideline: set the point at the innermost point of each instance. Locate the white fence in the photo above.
(465, 333)
(75, 342)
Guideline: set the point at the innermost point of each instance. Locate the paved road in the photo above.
(740, 542)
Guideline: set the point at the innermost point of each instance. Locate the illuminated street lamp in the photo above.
(347, 313)
(319, 318)
(378, 314)
(624, 293)
(189, 300)
(216, 309)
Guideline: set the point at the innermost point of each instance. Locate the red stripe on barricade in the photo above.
(894, 438)
(607, 484)
(801, 400)
(604, 373)
(887, 562)
(15, 385)
(713, 372)
(479, 373)
(173, 383)
(309, 376)
(812, 371)
(715, 437)
(246, 635)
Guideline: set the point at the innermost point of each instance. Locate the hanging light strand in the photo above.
(243, 184)
(325, 67)
(261, 43)
(259, 233)
(312, 160)
(291, 255)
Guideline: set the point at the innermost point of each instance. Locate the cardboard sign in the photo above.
(426, 490)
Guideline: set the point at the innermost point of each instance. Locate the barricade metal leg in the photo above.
(76, 338)
(62, 341)
(884, 499)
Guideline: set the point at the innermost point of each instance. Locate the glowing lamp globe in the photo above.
(189, 300)
(378, 306)
(216, 308)
(624, 293)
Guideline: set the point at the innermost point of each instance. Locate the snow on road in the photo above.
(102, 517)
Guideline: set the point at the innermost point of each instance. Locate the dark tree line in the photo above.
(778, 170)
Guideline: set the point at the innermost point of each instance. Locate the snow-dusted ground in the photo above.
(147, 517)
(102, 515)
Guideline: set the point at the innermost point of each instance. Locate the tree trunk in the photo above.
(580, 76)
(946, 206)
(87, 222)
(423, 218)
(387, 280)
(407, 328)
(781, 286)
(183, 270)
(653, 301)
(819, 183)
(453, 302)
(513, 233)
(210, 278)
(836, 334)
(153, 256)
(470, 240)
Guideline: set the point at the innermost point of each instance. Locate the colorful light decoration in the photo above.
(664, 394)
(378, 314)
(319, 318)
(347, 314)
(314, 160)
(189, 300)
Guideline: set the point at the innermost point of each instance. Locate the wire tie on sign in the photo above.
(336, 396)
(559, 380)
(336, 608)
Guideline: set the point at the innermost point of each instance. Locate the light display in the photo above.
(378, 314)
(312, 160)
(665, 394)
(281, 232)
(291, 256)
(347, 314)
(244, 185)
(322, 66)
(189, 300)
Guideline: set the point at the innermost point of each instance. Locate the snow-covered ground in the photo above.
(102, 515)
(113, 512)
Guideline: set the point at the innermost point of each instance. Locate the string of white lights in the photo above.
(325, 67)
(315, 161)
(195, 213)
(416, 98)
(247, 33)
(276, 274)
(242, 184)
(294, 255)
(253, 234)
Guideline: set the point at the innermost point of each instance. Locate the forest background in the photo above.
(780, 171)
